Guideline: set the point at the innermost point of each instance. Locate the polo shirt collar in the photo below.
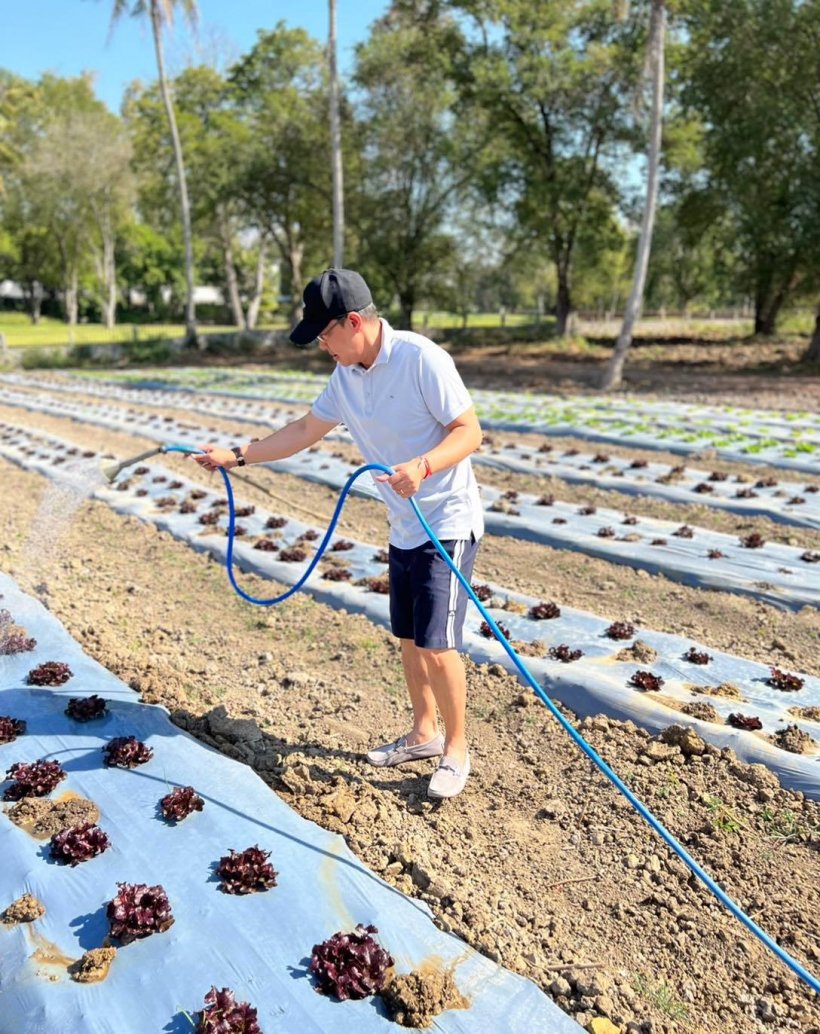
(384, 352)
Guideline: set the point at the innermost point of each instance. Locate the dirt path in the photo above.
(540, 864)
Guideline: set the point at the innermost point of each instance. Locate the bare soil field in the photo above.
(540, 864)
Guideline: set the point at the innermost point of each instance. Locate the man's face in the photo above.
(339, 340)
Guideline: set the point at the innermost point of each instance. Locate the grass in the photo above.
(662, 997)
(20, 332)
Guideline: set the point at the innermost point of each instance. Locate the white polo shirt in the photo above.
(397, 410)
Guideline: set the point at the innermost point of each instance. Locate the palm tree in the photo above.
(161, 12)
(335, 143)
(657, 28)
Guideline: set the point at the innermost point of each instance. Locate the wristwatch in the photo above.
(240, 459)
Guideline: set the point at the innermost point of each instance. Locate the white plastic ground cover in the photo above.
(786, 502)
(773, 573)
(258, 944)
(596, 683)
(789, 440)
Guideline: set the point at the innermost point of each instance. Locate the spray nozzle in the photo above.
(111, 470)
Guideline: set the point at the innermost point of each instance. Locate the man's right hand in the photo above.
(216, 456)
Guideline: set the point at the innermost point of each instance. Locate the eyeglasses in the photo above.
(326, 332)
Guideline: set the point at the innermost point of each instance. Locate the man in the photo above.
(405, 406)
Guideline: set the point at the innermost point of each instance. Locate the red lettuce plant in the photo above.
(246, 872)
(601, 457)
(10, 728)
(86, 709)
(767, 482)
(704, 488)
(753, 541)
(718, 475)
(209, 518)
(308, 536)
(187, 507)
(224, 1015)
(351, 965)
(742, 721)
(381, 557)
(268, 545)
(544, 611)
(484, 592)
(376, 583)
(276, 522)
(715, 554)
(638, 464)
(684, 532)
(796, 500)
(587, 511)
(629, 519)
(33, 780)
(79, 843)
(337, 574)
(745, 493)
(646, 680)
(784, 680)
(292, 555)
(606, 533)
(138, 911)
(559, 520)
(563, 653)
(485, 630)
(341, 545)
(658, 542)
(245, 511)
(810, 557)
(126, 752)
(17, 642)
(180, 803)
(696, 656)
(620, 630)
(51, 673)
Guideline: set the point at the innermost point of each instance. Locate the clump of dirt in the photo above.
(24, 910)
(93, 967)
(415, 999)
(793, 739)
(42, 818)
(691, 745)
(725, 689)
(702, 710)
(639, 653)
(809, 714)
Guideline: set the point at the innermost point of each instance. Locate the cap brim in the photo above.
(306, 332)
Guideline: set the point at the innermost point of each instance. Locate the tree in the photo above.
(747, 67)
(419, 157)
(160, 13)
(335, 143)
(613, 375)
(553, 77)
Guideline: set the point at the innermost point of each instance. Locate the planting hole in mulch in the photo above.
(640, 653)
(41, 818)
(415, 999)
(24, 910)
(93, 967)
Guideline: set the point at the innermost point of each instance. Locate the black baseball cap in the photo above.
(327, 297)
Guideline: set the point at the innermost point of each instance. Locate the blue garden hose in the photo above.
(641, 808)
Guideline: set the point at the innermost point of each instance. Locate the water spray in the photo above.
(112, 470)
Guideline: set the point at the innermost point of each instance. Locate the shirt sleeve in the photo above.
(326, 406)
(442, 388)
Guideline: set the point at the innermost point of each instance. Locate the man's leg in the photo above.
(436, 677)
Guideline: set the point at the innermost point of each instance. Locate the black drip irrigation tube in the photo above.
(711, 885)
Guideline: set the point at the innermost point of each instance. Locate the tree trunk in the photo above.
(190, 308)
(767, 309)
(71, 296)
(231, 279)
(813, 353)
(335, 144)
(258, 288)
(295, 255)
(614, 371)
(35, 301)
(563, 304)
(407, 303)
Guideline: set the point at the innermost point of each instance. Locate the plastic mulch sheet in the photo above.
(258, 944)
(783, 576)
(597, 682)
(783, 501)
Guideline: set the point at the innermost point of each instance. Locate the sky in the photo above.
(68, 37)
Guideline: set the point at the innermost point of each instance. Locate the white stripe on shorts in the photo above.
(452, 600)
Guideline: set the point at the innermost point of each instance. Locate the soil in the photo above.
(93, 966)
(415, 999)
(24, 910)
(42, 817)
(540, 864)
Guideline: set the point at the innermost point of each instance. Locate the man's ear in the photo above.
(355, 321)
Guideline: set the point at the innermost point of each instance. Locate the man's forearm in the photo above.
(460, 442)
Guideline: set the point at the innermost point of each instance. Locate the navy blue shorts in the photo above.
(427, 601)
